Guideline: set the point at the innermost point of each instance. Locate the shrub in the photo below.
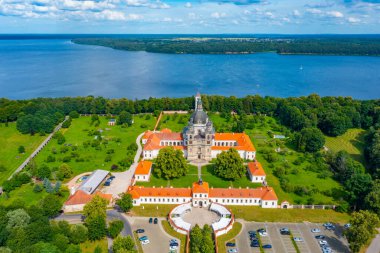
(21, 149)
(37, 188)
(108, 158)
(114, 167)
(74, 114)
(50, 159)
(115, 227)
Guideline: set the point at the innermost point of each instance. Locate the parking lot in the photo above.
(159, 239)
(283, 243)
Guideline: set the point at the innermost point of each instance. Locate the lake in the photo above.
(56, 67)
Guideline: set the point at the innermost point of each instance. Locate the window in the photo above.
(272, 203)
(200, 195)
(195, 202)
(223, 200)
(177, 200)
(250, 201)
(195, 195)
(255, 200)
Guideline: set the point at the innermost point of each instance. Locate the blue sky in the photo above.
(190, 16)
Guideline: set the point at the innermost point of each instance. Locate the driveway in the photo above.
(159, 239)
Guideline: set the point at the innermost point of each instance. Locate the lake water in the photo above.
(57, 67)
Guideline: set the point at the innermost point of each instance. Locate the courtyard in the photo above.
(200, 216)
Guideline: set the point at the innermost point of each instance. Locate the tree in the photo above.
(358, 186)
(124, 118)
(207, 245)
(115, 227)
(196, 238)
(96, 207)
(123, 244)
(73, 249)
(61, 242)
(170, 163)
(78, 234)
(309, 139)
(74, 114)
(372, 200)
(43, 171)
(65, 171)
(51, 205)
(125, 202)
(229, 165)
(18, 240)
(334, 125)
(363, 228)
(97, 227)
(18, 218)
(21, 149)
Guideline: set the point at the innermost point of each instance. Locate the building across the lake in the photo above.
(201, 195)
(198, 140)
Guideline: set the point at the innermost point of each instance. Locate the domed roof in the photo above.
(199, 117)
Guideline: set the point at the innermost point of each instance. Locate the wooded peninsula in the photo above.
(365, 46)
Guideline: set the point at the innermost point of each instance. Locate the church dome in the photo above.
(199, 117)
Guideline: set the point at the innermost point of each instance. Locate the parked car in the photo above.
(332, 227)
(253, 236)
(143, 238)
(251, 232)
(145, 242)
(298, 239)
(261, 230)
(140, 231)
(155, 221)
(174, 244)
(108, 182)
(267, 246)
(315, 230)
(233, 250)
(263, 233)
(284, 231)
(173, 240)
(326, 250)
(230, 244)
(348, 225)
(255, 244)
(173, 248)
(322, 242)
(321, 237)
(150, 220)
(112, 177)
(327, 224)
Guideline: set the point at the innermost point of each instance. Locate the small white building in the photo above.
(256, 172)
(112, 122)
(143, 171)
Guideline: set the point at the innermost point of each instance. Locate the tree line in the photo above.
(320, 46)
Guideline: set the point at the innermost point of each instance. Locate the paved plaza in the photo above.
(200, 216)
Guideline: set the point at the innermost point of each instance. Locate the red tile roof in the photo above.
(256, 169)
(80, 197)
(264, 193)
(242, 140)
(201, 188)
(143, 168)
(155, 139)
(141, 191)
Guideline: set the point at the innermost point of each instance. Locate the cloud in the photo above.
(188, 5)
(335, 14)
(218, 15)
(354, 20)
(296, 13)
(237, 2)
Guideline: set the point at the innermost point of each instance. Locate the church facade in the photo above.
(198, 140)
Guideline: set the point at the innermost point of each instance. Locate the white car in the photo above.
(232, 250)
(326, 249)
(348, 225)
(171, 248)
(315, 230)
(298, 239)
(327, 224)
(263, 233)
(322, 242)
(145, 242)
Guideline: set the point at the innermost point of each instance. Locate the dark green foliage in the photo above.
(21, 149)
(309, 139)
(201, 240)
(115, 227)
(51, 205)
(16, 181)
(78, 234)
(43, 171)
(123, 244)
(67, 123)
(96, 227)
(73, 249)
(170, 163)
(124, 118)
(334, 125)
(372, 151)
(37, 188)
(74, 114)
(363, 228)
(61, 242)
(125, 202)
(229, 165)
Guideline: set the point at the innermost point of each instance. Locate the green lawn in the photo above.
(26, 195)
(168, 229)
(152, 210)
(176, 123)
(255, 213)
(10, 140)
(223, 239)
(352, 141)
(90, 246)
(77, 134)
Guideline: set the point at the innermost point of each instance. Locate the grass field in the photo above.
(90, 246)
(255, 213)
(174, 122)
(94, 159)
(10, 140)
(151, 210)
(223, 239)
(26, 195)
(168, 229)
(352, 142)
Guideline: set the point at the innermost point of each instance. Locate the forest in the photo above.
(315, 45)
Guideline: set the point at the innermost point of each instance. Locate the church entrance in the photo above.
(199, 156)
(200, 203)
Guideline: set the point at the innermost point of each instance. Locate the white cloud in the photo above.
(335, 14)
(354, 20)
(188, 5)
(296, 13)
(218, 15)
(314, 11)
